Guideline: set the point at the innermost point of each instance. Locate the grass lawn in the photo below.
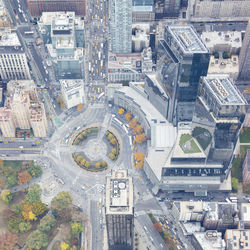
(237, 168)
(245, 136)
(194, 147)
(184, 138)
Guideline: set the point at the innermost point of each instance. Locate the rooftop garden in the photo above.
(188, 145)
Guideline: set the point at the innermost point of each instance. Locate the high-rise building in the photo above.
(120, 211)
(121, 26)
(172, 7)
(63, 34)
(244, 58)
(37, 7)
(182, 59)
(22, 110)
(13, 61)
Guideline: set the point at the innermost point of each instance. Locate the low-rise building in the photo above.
(246, 167)
(208, 240)
(140, 37)
(222, 66)
(245, 214)
(72, 92)
(223, 41)
(120, 210)
(124, 67)
(237, 239)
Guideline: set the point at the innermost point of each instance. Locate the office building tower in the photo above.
(13, 61)
(63, 34)
(22, 110)
(72, 92)
(37, 7)
(244, 58)
(120, 211)
(121, 26)
(182, 59)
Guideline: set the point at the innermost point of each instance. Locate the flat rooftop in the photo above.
(117, 61)
(213, 38)
(9, 39)
(224, 90)
(245, 211)
(119, 193)
(71, 84)
(187, 38)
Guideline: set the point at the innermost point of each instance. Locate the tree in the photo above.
(235, 184)
(18, 208)
(137, 129)
(37, 240)
(140, 138)
(104, 164)
(79, 107)
(120, 111)
(47, 223)
(64, 246)
(76, 227)
(83, 161)
(139, 157)
(38, 208)
(158, 227)
(13, 224)
(98, 165)
(113, 141)
(87, 164)
(35, 170)
(8, 241)
(128, 116)
(2, 181)
(6, 195)
(27, 212)
(24, 227)
(34, 193)
(110, 137)
(11, 180)
(61, 201)
(113, 151)
(132, 124)
(23, 177)
(111, 156)
(79, 158)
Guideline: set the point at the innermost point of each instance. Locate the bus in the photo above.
(125, 128)
(233, 199)
(130, 140)
(102, 94)
(118, 121)
(28, 32)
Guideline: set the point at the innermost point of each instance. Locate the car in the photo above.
(83, 188)
(20, 146)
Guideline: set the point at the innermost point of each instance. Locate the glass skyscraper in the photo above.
(121, 26)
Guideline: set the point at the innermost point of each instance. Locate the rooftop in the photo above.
(8, 38)
(187, 38)
(119, 193)
(212, 38)
(224, 66)
(71, 84)
(245, 211)
(210, 240)
(238, 239)
(117, 61)
(224, 90)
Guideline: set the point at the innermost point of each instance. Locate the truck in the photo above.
(89, 66)
(101, 63)
(99, 55)
(102, 45)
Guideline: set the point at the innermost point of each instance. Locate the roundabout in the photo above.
(95, 149)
